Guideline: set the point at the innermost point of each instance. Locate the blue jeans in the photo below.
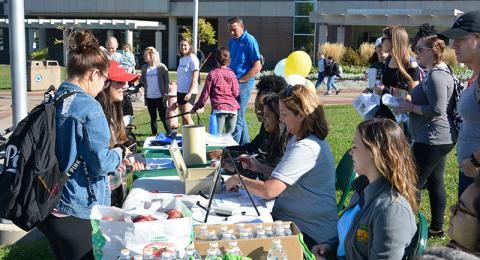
(463, 182)
(331, 83)
(321, 77)
(241, 129)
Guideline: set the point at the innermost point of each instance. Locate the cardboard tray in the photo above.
(197, 179)
(255, 248)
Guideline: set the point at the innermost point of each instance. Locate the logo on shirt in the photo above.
(362, 233)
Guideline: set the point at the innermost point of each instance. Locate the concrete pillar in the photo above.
(31, 42)
(341, 34)
(109, 33)
(66, 33)
(42, 38)
(172, 42)
(129, 37)
(322, 34)
(158, 43)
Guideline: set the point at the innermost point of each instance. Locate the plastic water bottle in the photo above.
(211, 254)
(277, 252)
(212, 236)
(167, 256)
(244, 235)
(191, 253)
(203, 233)
(261, 233)
(234, 249)
(288, 231)
(124, 254)
(279, 231)
(222, 230)
(213, 126)
(214, 245)
(269, 231)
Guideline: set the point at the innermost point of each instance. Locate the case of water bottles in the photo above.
(253, 240)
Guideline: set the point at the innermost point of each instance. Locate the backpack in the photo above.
(454, 119)
(31, 182)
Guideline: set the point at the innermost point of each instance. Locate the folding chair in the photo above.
(344, 177)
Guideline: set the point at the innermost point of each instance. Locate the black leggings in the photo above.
(69, 237)
(154, 104)
(430, 161)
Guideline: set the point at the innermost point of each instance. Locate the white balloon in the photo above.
(295, 79)
(280, 68)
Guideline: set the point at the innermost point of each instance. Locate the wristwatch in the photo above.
(474, 161)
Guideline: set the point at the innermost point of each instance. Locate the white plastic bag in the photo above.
(113, 229)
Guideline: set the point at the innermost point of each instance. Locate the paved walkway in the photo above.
(350, 90)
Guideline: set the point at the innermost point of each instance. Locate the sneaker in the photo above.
(337, 91)
(326, 93)
(436, 234)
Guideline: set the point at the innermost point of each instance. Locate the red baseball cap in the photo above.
(116, 72)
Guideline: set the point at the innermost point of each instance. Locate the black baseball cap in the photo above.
(465, 24)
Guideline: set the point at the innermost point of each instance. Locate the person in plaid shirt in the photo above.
(222, 87)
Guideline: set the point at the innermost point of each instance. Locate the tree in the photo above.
(206, 33)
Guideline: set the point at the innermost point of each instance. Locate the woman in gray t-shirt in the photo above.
(430, 128)
(303, 183)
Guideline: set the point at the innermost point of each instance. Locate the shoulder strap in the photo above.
(64, 96)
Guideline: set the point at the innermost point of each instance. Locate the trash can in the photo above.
(42, 74)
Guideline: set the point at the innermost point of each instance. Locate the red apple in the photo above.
(173, 213)
(143, 218)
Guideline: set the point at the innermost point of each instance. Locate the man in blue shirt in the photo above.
(246, 63)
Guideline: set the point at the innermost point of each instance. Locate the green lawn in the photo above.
(343, 120)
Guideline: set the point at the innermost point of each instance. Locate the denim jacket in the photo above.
(82, 130)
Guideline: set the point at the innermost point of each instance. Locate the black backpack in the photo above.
(454, 118)
(31, 182)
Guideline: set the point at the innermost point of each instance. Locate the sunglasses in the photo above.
(107, 82)
(419, 49)
(459, 207)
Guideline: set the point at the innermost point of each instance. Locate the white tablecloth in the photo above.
(169, 186)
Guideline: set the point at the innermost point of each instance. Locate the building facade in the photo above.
(280, 26)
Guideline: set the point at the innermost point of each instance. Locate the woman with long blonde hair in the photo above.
(156, 83)
(380, 220)
(401, 73)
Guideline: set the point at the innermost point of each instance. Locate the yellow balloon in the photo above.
(298, 62)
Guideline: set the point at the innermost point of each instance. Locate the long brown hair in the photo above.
(84, 54)
(303, 101)
(398, 36)
(391, 155)
(114, 113)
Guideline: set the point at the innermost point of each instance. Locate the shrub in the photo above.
(39, 54)
(351, 57)
(334, 50)
(366, 51)
(450, 57)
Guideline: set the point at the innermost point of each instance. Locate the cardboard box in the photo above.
(255, 248)
(197, 179)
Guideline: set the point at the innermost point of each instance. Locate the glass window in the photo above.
(304, 43)
(304, 26)
(303, 9)
(2, 46)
